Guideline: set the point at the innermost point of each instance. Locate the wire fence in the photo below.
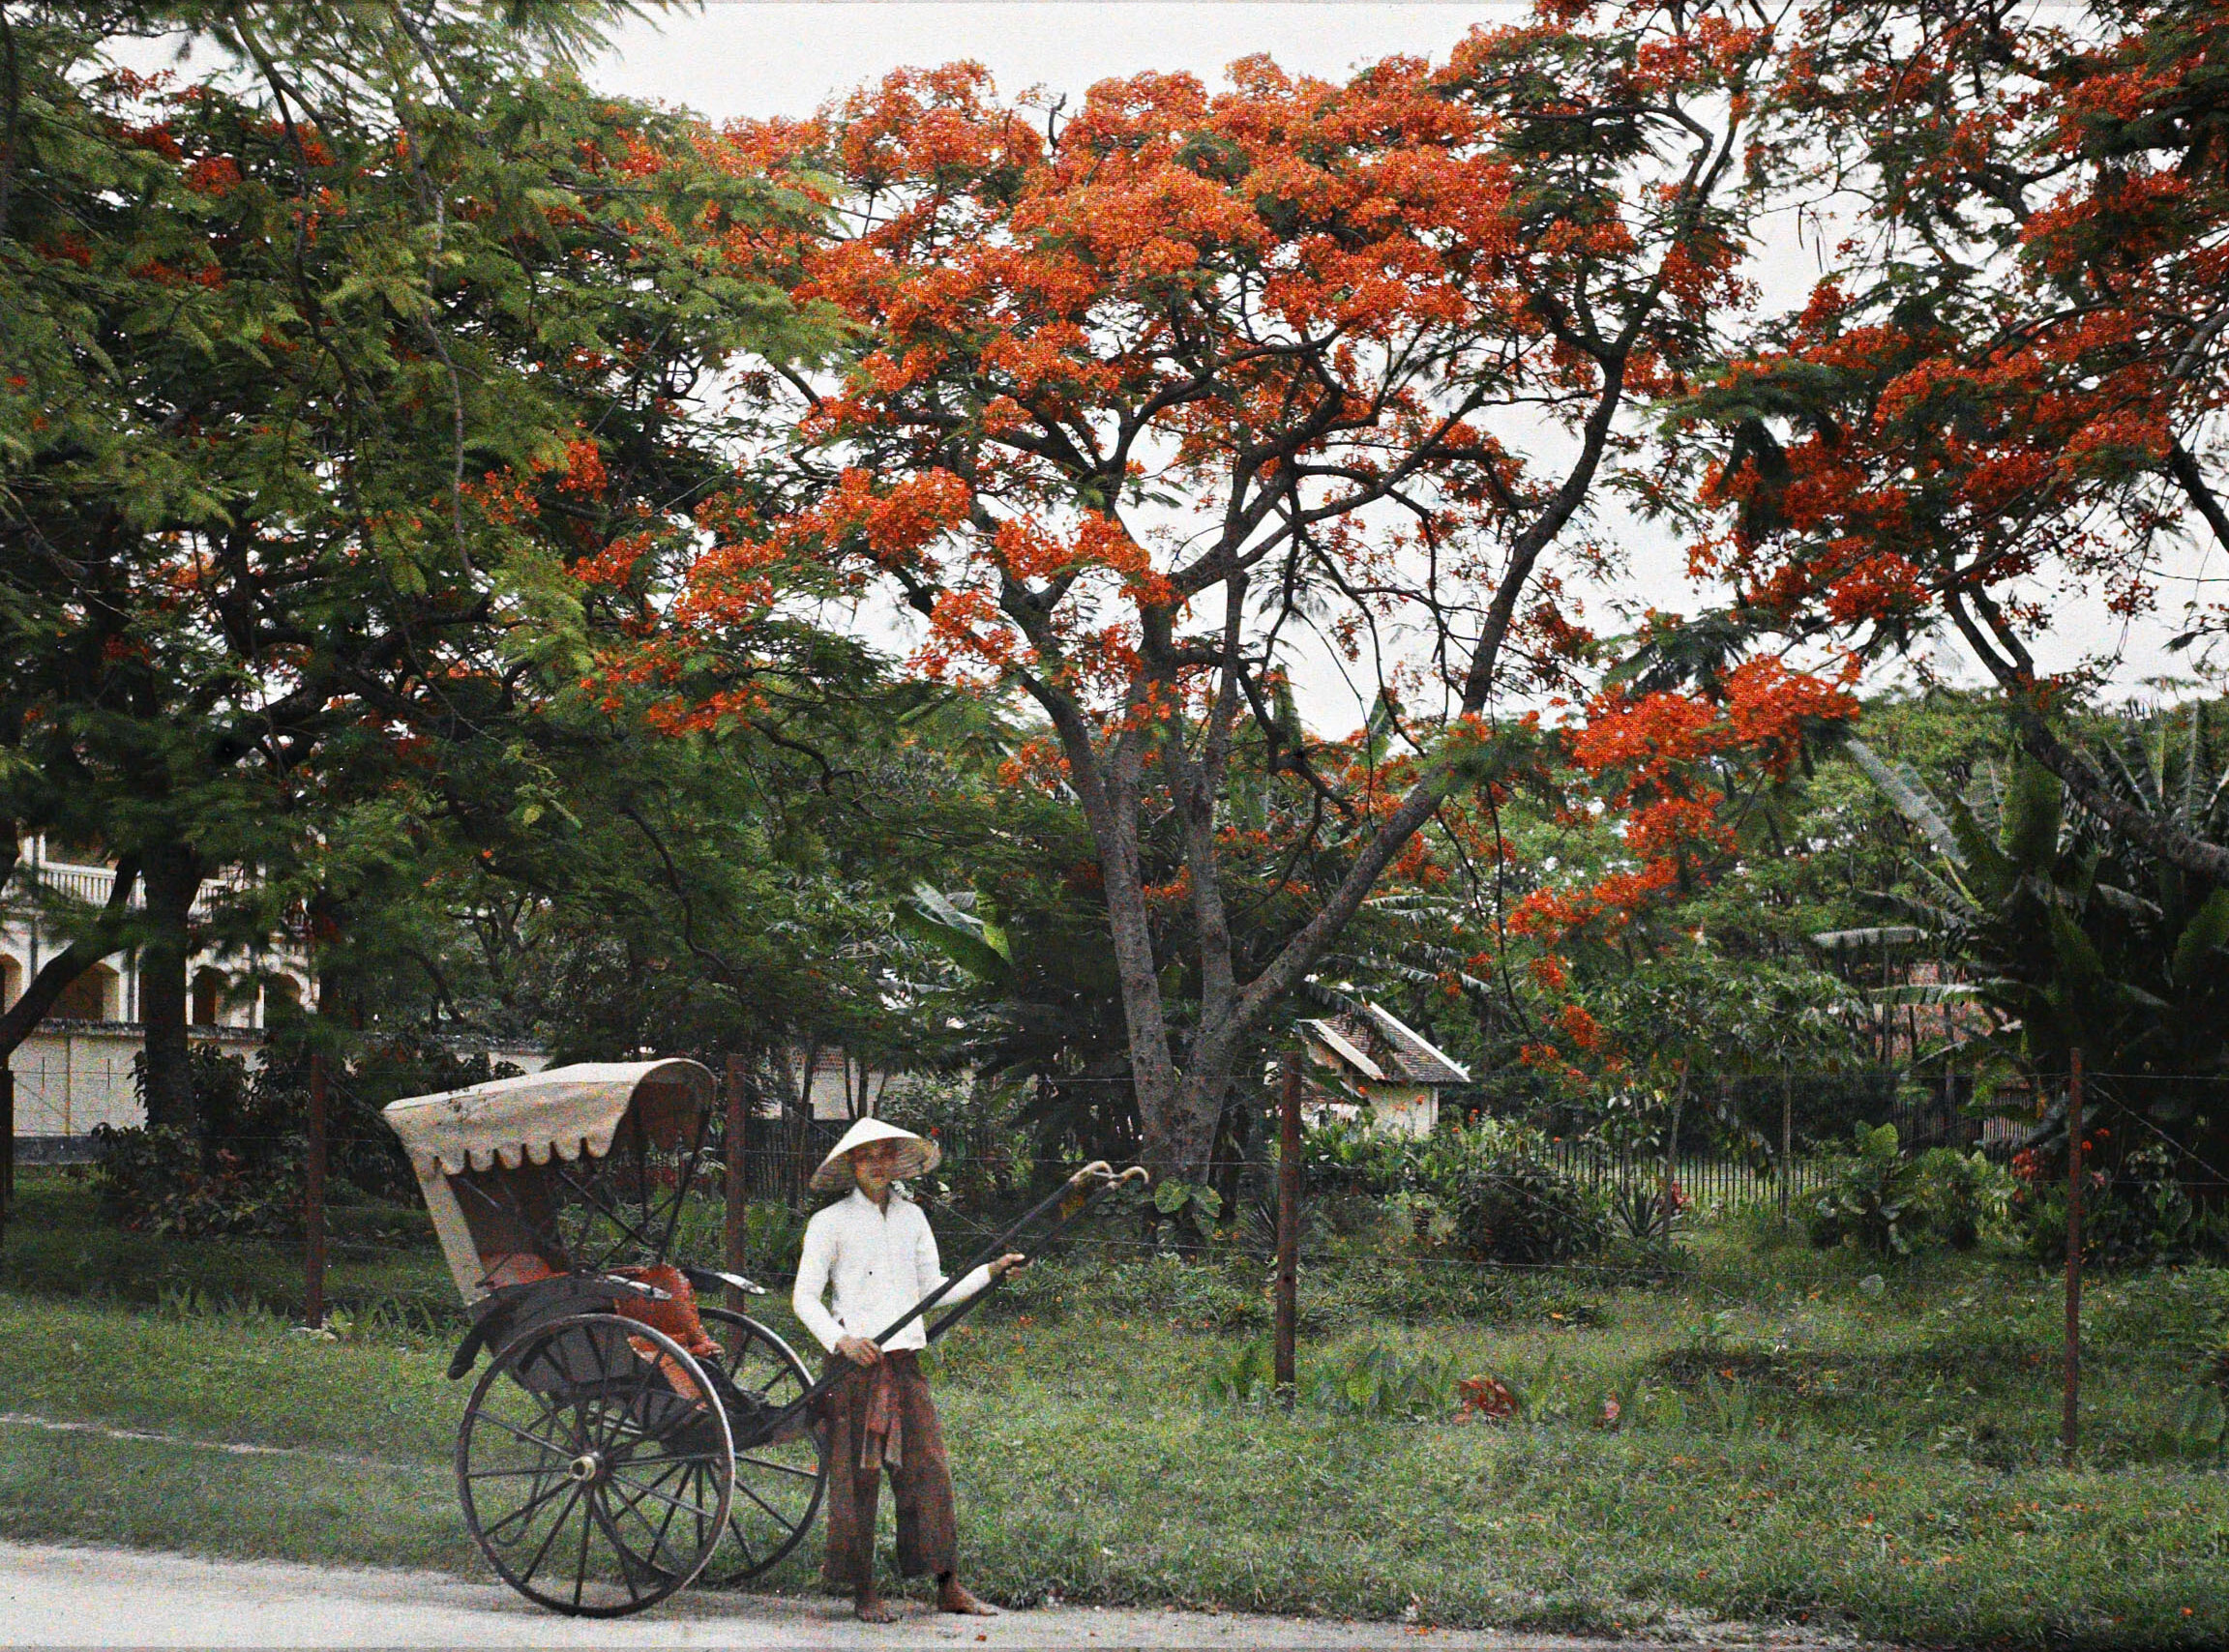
(60, 1099)
(1767, 1141)
(341, 1189)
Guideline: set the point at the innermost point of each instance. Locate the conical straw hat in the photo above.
(916, 1155)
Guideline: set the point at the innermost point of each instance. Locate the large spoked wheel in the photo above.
(595, 1469)
(779, 1476)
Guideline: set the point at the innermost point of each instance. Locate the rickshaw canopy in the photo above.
(565, 1112)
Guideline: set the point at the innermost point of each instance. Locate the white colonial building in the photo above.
(74, 1071)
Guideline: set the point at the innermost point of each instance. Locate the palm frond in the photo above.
(1902, 787)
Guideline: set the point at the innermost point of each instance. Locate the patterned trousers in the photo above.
(881, 1417)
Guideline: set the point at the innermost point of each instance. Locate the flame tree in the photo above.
(1145, 393)
(2011, 390)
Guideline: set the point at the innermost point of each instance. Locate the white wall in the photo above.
(72, 1075)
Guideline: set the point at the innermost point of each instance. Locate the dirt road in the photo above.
(103, 1596)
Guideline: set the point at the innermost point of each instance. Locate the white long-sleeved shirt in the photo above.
(880, 1262)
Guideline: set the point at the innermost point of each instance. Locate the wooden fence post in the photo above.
(1288, 1226)
(314, 1202)
(2069, 1427)
(1786, 1141)
(7, 1143)
(738, 1194)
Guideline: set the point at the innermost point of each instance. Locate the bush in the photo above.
(1349, 1156)
(1486, 1191)
(242, 1170)
(1868, 1201)
(1880, 1201)
(1959, 1195)
(171, 1182)
(2137, 1215)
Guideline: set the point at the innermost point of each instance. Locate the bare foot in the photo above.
(869, 1609)
(953, 1597)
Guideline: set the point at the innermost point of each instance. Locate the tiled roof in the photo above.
(1378, 1045)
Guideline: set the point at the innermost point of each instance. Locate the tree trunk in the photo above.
(173, 877)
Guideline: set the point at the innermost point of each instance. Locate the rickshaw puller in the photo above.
(875, 1250)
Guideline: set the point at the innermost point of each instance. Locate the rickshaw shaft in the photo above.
(996, 1246)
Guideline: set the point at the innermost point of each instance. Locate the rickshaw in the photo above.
(628, 1436)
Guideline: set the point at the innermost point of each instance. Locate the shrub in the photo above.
(242, 1170)
(1486, 1191)
(1349, 1156)
(2136, 1215)
(1642, 1213)
(1869, 1203)
(1878, 1201)
(1959, 1195)
(171, 1182)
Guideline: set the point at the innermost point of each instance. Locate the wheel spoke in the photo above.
(735, 1526)
(665, 1525)
(785, 1525)
(555, 1526)
(598, 1515)
(648, 1491)
(777, 1467)
(550, 1446)
(580, 1563)
(625, 1407)
(533, 1502)
(633, 1505)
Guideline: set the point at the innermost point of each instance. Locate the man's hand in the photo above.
(859, 1350)
(1008, 1263)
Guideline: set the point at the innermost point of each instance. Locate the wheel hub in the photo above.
(586, 1469)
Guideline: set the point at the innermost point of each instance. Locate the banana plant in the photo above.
(2074, 936)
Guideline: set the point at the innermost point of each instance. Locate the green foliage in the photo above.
(1378, 1380)
(773, 1240)
(2076, 937)
(2199, 1423)
(2137, 1213)
(239, 1173)
(1192, 1206)
(1248, 1378)
(1866, 1203)
(169, 1182)
(1349, 1155)
(1642, 1215)
(1486, 1191)
(1375, 1380)
(1883, 1203)
(339, 459)
(1960, 1194)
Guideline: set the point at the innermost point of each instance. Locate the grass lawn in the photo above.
(1791, 1441)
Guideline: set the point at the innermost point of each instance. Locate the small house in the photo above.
(1369, 1064)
